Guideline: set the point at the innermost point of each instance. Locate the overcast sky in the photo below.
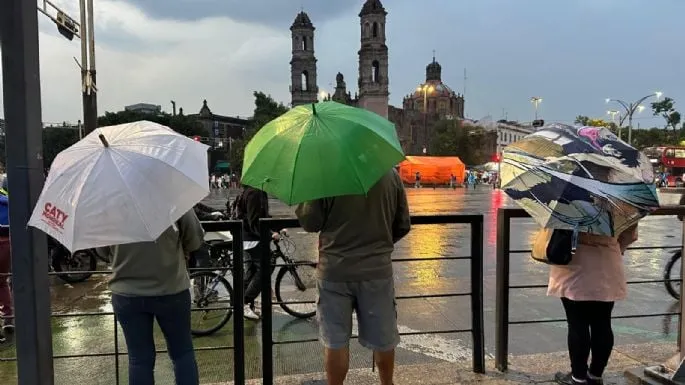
(572, 53)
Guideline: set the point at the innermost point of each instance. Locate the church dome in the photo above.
(433, 71)
(436, 88)
(302, 20)
(372, 7)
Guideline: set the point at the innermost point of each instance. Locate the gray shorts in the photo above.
(374, 303)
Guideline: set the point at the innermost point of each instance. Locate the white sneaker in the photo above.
(249, 313)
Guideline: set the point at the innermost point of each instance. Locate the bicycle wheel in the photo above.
(672, 275)
(297, 283)
(212, 302)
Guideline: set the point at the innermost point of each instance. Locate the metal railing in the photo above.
(235, 227)
(503, 286)
(236, 268)
(476, 293)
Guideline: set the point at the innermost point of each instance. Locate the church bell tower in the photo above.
(303, 88)
(373, 59)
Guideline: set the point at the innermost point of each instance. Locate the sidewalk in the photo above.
(527, 369)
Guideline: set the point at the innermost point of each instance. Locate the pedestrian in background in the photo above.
(357, 234)
(150, 282)
(251, 205)
(588, 287)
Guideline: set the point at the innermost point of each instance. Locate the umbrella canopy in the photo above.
(580, 178)
(321, 150)
(121, 184)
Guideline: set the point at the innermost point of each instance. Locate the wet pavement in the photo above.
(95, 335)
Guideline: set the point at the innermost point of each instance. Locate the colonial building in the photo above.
(413, 122)
(222, 129)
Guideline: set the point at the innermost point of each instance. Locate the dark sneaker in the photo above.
(567, 379)
(595, 380)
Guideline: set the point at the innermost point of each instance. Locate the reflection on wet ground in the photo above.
(89, 335)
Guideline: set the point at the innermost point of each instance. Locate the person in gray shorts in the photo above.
(357, 234)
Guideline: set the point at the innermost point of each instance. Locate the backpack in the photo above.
(554, 246)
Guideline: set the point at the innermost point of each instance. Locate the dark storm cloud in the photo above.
(277, 13)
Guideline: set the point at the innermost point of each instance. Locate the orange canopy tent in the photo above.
(433, 169)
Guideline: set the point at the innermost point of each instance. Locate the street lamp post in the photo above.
(630, 109)
(536, 100)
(613, 114)
(426, 89)
(84, 30)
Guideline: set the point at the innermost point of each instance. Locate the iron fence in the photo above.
(236, 270)
(476, 293)
(235, 228)
(503, 286)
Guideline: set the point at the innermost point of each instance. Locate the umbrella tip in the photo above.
(103, 140)
(314, 108)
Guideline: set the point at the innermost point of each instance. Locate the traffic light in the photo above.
(538, 123)
(66, 25)
(496, 158)
(197, 138)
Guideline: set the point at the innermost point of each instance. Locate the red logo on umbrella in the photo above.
(54, 217)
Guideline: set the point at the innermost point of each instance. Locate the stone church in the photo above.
(430, 102)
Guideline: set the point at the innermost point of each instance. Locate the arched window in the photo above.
(367, 29)
(375, 71)
(375, 29)
(304, 43)
(305, 81)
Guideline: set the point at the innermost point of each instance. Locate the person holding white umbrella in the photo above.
(128, 190)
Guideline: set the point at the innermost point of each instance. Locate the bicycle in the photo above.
(672, 277)
(207, 286)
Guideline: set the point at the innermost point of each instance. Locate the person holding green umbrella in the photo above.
(338, 162)
(321, 150)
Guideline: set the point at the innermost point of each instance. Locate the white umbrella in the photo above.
(121, 184)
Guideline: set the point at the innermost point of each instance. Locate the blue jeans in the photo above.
(136, 316)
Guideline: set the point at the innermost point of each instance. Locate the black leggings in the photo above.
(589, 329)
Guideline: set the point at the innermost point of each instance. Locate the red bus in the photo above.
(669, 161)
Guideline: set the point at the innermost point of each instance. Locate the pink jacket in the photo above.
(596, 270)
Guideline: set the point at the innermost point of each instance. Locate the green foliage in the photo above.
(582, 120)
(472, 145)
(55, 140)
(666, 109)
(182, 124)
(266, 110)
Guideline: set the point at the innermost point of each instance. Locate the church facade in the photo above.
(431, 102)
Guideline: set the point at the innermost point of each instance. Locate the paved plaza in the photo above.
(79, 335)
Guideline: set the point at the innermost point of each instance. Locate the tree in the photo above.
(266, 110)
(665, 108)
(182, 124)
(55, 140)
(473, 145)
(582, 120)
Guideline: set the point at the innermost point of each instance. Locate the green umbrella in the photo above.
(321, 150)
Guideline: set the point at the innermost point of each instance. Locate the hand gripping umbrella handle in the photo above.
(103, 140)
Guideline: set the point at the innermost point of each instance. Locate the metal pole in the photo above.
(84, 62)
(477, 326)
(31, 286)
(91, 116)
(267, 320)
(238, 303)
(425, 120)
(630, 127)
(502, 291)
